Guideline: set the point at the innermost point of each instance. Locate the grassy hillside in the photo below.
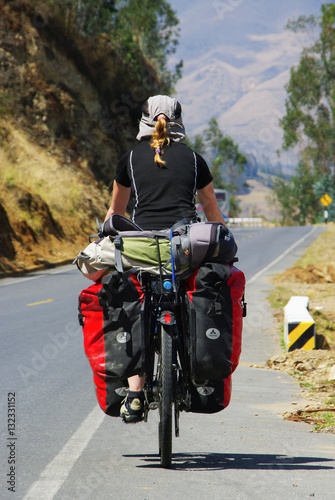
(257, 202)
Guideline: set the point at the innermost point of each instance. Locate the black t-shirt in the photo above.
(163, 195)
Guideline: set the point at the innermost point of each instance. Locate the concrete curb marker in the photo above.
(299, 326)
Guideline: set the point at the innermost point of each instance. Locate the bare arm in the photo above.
(209, 204)
(120, 198)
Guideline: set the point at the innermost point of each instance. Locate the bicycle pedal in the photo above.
(154, 405)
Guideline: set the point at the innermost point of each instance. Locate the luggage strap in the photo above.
(118, 255)
(118, 252)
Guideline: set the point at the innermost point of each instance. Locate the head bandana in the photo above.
(157, 105)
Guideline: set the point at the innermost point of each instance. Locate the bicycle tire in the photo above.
(166, 399)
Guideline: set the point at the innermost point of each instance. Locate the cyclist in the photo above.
(162, 175)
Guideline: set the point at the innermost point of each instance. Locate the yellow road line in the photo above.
(41, 302)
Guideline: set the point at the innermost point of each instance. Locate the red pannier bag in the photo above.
(110, 315)
(215, 309)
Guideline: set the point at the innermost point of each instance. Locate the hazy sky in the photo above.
(230, 23)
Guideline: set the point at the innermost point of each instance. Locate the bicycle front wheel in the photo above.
(166, 398)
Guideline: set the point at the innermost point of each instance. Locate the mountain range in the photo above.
(237, 57)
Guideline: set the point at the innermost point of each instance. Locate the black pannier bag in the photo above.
(211, 397)
(115, 394)
(121, 297)
(215, 311)
(110, 315)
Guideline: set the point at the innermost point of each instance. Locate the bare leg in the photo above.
(136, 383)
(133, 405)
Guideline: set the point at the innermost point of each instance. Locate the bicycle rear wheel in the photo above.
(166, 398)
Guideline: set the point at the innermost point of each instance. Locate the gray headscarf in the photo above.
(171, 108)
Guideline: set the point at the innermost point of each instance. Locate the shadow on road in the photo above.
(218, 461)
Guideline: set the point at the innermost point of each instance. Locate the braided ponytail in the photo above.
(159, 139)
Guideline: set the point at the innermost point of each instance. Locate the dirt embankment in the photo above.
(61, 135)
(315, 372)
(313, 276)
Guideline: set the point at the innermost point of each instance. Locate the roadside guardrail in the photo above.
(245, 221)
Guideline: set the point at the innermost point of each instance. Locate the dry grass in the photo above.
(70, 191)
(312, 276)
(322, 250)
(22, 163)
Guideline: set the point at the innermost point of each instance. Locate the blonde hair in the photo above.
(160, 137)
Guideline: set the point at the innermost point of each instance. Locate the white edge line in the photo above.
(56, 472)
(288, 250)
(41, 273)
(18, 280)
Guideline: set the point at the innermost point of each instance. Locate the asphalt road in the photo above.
(62, 445)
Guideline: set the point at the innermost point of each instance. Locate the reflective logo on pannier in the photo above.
(123, 337)
(205, 390)
(213, 333)
(121, 391)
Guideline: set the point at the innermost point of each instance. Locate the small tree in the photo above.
(197, 144)
(284, 197)
(86, 17)
(225, 160)
(139, 33)
(310, 105)
(150, 30)
(296, 197)
(303, 193)
(310, 120)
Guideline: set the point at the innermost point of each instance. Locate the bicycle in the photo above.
(181, 366)
(165, 348)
